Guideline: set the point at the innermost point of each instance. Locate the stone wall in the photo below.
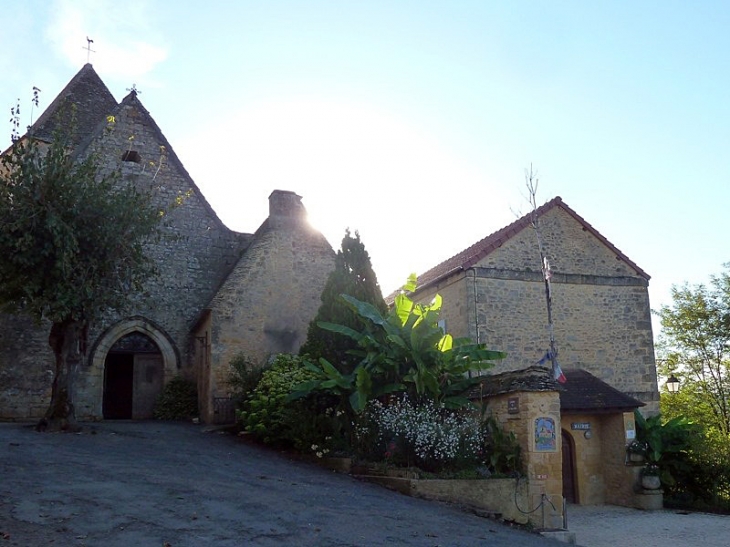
(569, 247)
(268, 300)
(489, 497)
(543, 469)
(601, 309)
(591, 455)
(621, 476)
(26, 368)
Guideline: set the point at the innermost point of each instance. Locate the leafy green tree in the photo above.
(353, 275)
(695, 347)
(73, 248)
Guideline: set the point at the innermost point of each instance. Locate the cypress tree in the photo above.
(353, 275)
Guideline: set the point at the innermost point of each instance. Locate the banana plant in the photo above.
(406, 349)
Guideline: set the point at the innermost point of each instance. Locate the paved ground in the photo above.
(129, 484)
(611, 526)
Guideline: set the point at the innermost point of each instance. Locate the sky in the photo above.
(413, 122)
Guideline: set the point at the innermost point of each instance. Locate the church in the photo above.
(218, 293)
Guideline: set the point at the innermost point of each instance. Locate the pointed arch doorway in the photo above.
(133, 378)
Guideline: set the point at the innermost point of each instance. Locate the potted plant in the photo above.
(636, 451)
(650, 479)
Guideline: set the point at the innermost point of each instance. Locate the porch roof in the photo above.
(584, 392)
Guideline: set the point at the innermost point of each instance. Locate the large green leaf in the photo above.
(341, 329)
(411, 283)
(403, 307)
(365, 309)
(446, 343)
(304, 389)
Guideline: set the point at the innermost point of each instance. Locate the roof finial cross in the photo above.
(88, 49)
(134, 89)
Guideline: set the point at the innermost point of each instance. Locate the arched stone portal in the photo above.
(133, 360)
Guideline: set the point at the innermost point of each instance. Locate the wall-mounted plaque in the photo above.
(545, 440)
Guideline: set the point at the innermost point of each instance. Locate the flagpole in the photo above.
(547, 275)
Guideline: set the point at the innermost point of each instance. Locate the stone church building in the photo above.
(218, 292)
(573, 435)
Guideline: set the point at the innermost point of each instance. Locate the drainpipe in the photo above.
(476, 314)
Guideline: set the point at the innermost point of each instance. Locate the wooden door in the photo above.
(148, 381)
(118, 386)
(569, 486)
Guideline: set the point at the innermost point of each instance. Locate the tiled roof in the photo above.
(471, 255)
(93, 102)
(584, 392)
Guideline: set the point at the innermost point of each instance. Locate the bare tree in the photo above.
(532, 182)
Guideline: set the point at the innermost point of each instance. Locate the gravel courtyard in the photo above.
(123, 484)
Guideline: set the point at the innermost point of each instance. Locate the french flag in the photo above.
(557, 371)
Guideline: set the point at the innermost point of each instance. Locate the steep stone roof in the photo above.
(471, 255)
(93, 102)
(585, 393)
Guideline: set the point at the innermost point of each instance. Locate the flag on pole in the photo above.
(557, 371)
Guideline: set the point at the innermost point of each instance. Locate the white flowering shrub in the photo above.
(422, 435)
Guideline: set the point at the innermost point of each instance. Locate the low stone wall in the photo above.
(496, 498)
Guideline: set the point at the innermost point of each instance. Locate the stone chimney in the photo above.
(285, 206)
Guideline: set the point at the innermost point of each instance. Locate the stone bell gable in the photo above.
(494, 292)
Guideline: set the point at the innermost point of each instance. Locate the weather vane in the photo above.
(134, 89)
(88, 49)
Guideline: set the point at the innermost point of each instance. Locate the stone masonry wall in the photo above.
(590, 459)
(601, 310)
(603, 329)
(569, 247)
(621, 477)
(26, 368)
(543, 469)
(267, 302)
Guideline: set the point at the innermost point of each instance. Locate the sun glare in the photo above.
(355, 167)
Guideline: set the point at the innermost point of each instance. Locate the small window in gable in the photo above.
(132, 155)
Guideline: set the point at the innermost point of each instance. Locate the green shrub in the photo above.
(178, 401)
(243, 377)
(503, 454)
(269, 415)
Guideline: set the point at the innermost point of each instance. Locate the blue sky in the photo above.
(414, 122)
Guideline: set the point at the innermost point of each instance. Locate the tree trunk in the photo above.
(65, 340)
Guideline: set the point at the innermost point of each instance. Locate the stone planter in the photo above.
(650, 482)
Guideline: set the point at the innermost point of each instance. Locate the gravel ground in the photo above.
(132, 484)
(612, 526)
